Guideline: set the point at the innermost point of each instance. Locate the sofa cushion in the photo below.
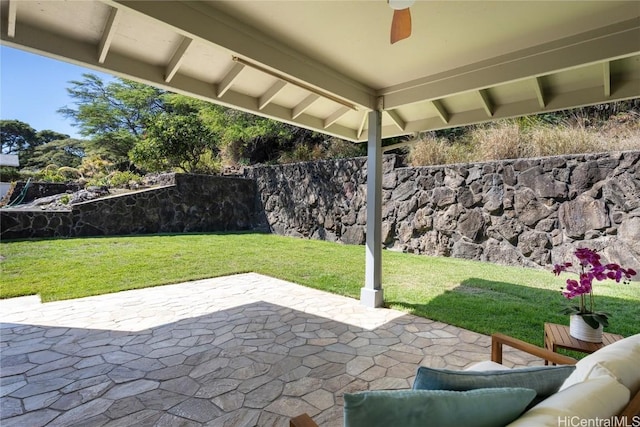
(545, 380)
(598, 398)
(620, 360)
(440, 408)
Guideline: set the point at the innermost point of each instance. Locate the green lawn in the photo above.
(479, 296)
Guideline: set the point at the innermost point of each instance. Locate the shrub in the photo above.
(123, 179)
(50, 173)
(8, 174)
(209, 163)
(536, 136)
(431, 150)
(500, 141)
(341, 149)
(95, 167)
(303, 153)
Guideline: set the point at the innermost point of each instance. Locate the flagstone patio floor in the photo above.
(244, 350)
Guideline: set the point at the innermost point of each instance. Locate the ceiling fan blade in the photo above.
(400, 25)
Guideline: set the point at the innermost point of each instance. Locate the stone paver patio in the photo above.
(245, 350)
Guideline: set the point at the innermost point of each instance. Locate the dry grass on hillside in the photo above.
(510, 139)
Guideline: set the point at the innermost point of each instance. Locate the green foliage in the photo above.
(17, 137)
(340, 149)
(176, 138)
(69, 173)
(302, 153)
(36, 150)
(46, 136)
(95, 167)
(8, 174)
(113, 114)
(61, 152)
(249, 139)
(123, 179)
(50, 173)
(65, 199)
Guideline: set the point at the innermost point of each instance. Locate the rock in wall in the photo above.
(530, 212)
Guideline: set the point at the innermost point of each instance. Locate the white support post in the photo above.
(371, 295)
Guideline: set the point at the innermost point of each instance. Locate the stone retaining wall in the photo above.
(529, 212)
(37, 190)
(190, 203)
(18, 224)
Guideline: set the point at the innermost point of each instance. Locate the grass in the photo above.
(527, 137)
(478, 296)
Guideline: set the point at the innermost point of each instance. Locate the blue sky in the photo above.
(33, 88)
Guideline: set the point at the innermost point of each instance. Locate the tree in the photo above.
(250, 139)
(114, 115)
(17, 137)
(177, 138)
(62, 152)
(21, 139)
(46, 136)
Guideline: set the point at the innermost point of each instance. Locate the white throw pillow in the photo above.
(621, 359)
(598, 398)
(487, 365)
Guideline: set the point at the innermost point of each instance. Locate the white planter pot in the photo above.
(581, 330)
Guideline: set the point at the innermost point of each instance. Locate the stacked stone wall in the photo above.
(193, 203)
(36, 190)
(529, 212)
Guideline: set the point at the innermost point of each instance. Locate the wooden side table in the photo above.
(557, 336)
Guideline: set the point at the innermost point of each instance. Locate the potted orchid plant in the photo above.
(586, 323)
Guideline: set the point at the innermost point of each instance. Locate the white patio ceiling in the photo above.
(324, 65)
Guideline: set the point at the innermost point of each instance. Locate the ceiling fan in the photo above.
(401, 23)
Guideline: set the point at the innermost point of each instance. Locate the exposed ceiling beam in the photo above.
(627, 89)
(335, 116)
(486, 101)
(203, 22)
(177, 58)
(442, 112)
(107, 34)
(539, 89)
(393, 114)
(227, 81)
(82, 53)
(614, 41)
(271, 93)
(303, 105)
(606, 74)
(12, 14)
(363, 121)
(306, 87)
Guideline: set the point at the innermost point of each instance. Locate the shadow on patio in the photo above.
(240, 350)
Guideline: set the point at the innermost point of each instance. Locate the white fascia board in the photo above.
(209, 25)
(612, 42)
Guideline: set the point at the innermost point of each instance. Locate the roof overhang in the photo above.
(324, 65)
